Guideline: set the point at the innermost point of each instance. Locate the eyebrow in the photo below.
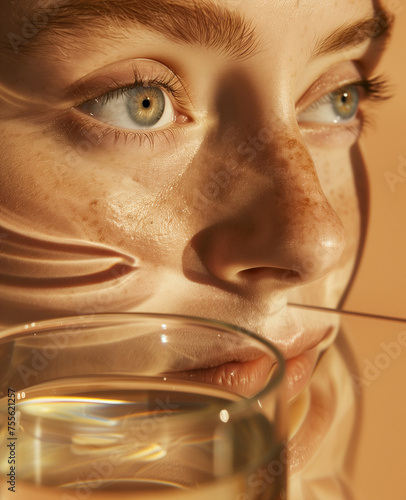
(379, 26)
(194, 23)
(198, 23)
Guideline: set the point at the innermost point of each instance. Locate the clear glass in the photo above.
(140, 405)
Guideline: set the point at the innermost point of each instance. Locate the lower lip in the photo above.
(299, 371)
(249, 377)
(244, 378)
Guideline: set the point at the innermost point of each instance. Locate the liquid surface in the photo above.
(142, 438)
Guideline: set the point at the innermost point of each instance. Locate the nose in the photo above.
(273, 220)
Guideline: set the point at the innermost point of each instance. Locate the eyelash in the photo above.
(374, 89)
(172, 86)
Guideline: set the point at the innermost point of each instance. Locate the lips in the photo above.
(298, 373)
(245, 378)
(249, 375)
(247, 372)
(294, 331)
(301, 336)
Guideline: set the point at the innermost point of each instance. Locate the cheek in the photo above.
(79, 238)
(53, 191)
(129, 204)
(336, 175)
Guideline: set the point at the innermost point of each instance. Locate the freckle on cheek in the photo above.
(291, 150)
(291, 143)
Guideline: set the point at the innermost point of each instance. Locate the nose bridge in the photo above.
(266, 166)
(293, 177)
(238, 149)
(305, 228)
(226, 171)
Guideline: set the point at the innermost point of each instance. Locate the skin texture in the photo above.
(236, 209)
(158, 210)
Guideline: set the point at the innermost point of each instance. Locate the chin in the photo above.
(321, 436)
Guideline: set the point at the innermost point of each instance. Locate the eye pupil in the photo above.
(345, 103)
(341, 105)
(145, 105)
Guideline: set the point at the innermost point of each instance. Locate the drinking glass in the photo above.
(140, 406)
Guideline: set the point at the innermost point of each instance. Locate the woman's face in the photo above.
(221, 185)
(190, 158)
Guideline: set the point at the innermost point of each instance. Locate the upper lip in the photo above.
(304, 330)
(293, 333)
(220, 355)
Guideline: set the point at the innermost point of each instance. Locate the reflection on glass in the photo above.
(144, 405)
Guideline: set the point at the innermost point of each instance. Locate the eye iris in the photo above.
(345, 102)
(145, 105)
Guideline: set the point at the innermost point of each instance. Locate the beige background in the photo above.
(380, 288)
(381, 282)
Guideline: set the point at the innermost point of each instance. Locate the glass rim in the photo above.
(45, 326)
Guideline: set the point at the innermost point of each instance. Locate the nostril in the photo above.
(277, 274)
(291, 276)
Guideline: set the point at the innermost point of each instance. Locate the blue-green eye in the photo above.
(138, 108)
(336, 107)
(345, 102)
